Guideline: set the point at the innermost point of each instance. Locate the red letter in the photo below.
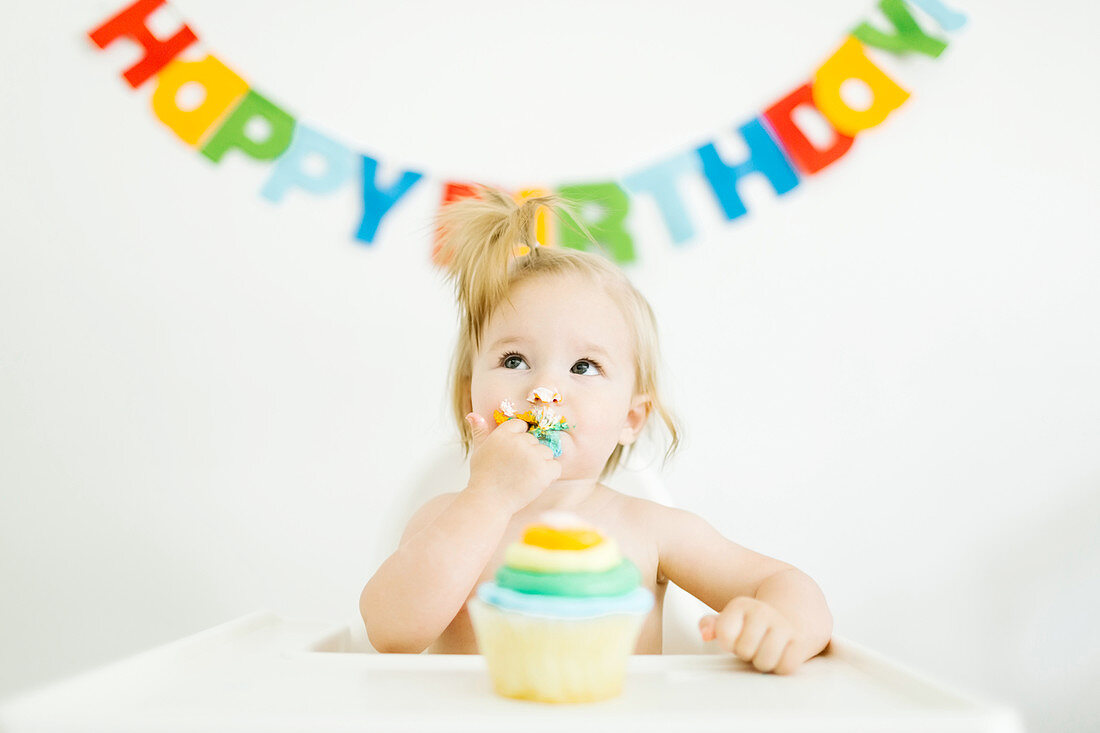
(451, 192)
(798, 146)
(131, 23)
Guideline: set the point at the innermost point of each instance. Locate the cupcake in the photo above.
(563, 615)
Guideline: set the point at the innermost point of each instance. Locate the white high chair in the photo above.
(262, 672)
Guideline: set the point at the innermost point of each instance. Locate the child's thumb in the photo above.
(479, 427)
(706, 626)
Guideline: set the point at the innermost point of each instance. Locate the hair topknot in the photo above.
(480, 238)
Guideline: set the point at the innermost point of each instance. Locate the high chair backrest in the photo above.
(447, 471)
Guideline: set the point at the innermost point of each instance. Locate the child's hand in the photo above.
(756, 633)
(510, 462)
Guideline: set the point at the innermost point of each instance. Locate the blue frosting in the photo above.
(639, 600)
(551, 439)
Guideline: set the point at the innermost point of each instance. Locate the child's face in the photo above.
(563, 332)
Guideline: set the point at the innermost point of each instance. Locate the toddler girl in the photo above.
(564, 330)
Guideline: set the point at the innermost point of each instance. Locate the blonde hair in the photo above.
(481, 239)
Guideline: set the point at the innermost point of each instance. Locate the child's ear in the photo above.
(636, 418)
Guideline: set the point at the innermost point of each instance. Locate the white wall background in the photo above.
(210, 404)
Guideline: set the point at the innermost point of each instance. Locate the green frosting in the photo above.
(620, 579)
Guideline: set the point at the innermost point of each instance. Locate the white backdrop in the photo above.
(212, 404)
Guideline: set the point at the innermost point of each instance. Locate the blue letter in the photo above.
(765, 157)
(289, 170)
(660, 180)
(377, 201)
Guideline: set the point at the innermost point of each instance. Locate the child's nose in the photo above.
(544, 396)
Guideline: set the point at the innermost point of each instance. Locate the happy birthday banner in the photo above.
(231, 110)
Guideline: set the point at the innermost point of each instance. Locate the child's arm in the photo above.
(416, 593)
(771, 613)
(421, 587)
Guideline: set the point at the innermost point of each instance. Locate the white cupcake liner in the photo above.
(555, 659)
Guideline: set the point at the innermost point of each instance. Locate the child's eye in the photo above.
(587, 367)
(513, 361)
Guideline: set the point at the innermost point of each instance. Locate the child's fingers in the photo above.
(756, 625)
(514, 425)
(771, 650)
(790, 660)
(706, 626)
(479, 427)
(728, 627)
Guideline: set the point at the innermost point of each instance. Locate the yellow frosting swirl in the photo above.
(554, 538)
(594, 559)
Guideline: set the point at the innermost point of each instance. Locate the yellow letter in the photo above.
(222, 87)
(542, 223)
(849, 62)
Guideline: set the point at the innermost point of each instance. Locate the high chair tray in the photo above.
(264, 673)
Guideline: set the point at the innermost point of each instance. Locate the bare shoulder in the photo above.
(427, 513)
(660, 518)
(660, 523)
